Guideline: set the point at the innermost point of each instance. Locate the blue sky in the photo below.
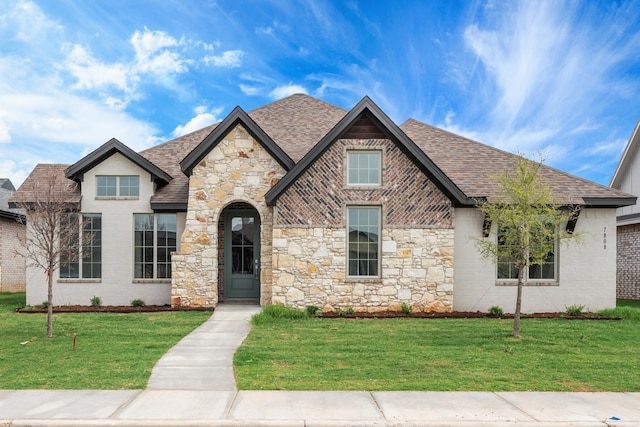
(560, 77)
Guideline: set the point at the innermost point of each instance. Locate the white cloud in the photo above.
(28, 21)
(153, 55)
(229, 59)
(5, 135)
(249, 90)
(203, 118)
(287, 90)
(9, 169)
(545, 70)
(91, 73)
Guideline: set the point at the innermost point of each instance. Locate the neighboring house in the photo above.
(12, 229)
(302, 203)
(627, 178)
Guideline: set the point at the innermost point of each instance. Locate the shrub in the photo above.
(137, 303)
(574, 310)
(312, 310)
(96, 301)
(349, 310)
(495, 311)
(406, 308)
(45, 304)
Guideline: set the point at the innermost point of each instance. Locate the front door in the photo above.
(242, 254)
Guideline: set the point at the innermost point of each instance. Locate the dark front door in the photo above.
(242, 254)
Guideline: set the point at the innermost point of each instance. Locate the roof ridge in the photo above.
(295, 95)
(186, 135)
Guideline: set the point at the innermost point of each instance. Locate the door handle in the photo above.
(256, 268)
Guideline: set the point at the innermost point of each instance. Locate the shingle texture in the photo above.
(472, 165)
(298, 122)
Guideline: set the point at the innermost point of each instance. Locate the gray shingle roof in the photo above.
(297, 123)
(472, 166)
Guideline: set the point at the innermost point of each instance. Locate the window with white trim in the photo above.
(117, 186)
(363, 241)
(364, 167)
(81, 242)
(508, 268)
(154, 241)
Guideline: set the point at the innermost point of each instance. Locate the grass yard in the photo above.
(440, 354)
(113, 351)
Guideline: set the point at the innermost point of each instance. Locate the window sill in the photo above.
(79, 281)
(152, 281)
(365, 279)
(528, 284)
(362, 186)
(117, 198)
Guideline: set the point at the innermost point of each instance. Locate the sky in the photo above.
(560, 78)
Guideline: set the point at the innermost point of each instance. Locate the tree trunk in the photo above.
(49, 304)
(516, 314)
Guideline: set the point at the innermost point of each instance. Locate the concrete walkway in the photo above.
(203, 360)
(193, 385)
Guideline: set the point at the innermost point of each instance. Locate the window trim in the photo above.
(378, 274)
(527, 280)
(118, 188)
(155, 249)
(363, 150)
(80, 262)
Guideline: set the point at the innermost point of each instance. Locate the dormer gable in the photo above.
(76, 171)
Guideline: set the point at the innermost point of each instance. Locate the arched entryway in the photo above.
(239, 254)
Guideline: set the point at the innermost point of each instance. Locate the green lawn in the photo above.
(113, 351)
(440, 354)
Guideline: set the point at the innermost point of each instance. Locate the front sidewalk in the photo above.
(309, 408)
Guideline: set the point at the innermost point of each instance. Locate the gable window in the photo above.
(363, 241)
(154, 241)
(364, 167)
(508, 268)
(81, 241)
(117, 186)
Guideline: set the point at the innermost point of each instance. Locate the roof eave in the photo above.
(609, 202)
(76, 171)
(169, 207)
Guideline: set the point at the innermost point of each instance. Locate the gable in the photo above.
(367, 111)
(76, 171)
(235, 118)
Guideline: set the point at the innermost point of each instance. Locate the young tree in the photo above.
(528, 222)
(48, 199)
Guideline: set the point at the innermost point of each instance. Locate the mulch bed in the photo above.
(330, 315)
(109, 309)
(465, 315)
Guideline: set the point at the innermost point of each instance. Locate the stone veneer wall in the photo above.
(238, 169)
(309, 237)
(628, 261)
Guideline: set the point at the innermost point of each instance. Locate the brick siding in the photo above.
(628, 262)
(12, 266)
(408, 197)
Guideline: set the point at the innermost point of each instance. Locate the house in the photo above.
(627, 178)
(12, 229)
(302, 203)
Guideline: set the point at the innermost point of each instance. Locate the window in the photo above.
(508, 269)
(81, 255)
(117, 186)
(363, 167)
(154, 240)
(363, 241)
